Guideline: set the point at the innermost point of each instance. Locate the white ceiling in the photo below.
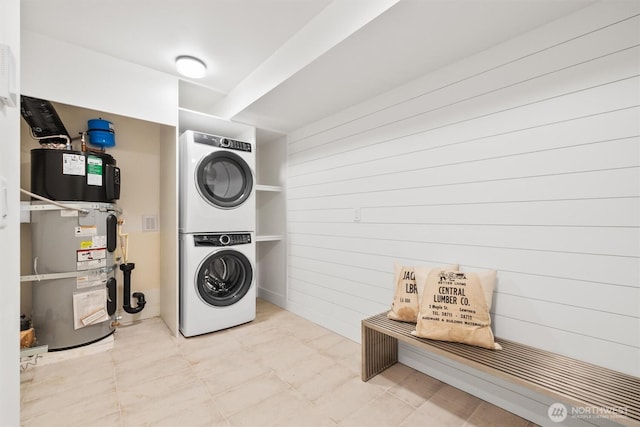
(281, 64)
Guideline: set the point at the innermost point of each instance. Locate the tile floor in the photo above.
(279, 370)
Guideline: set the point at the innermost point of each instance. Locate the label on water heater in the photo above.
(73, 164)
(91, 264)
(94, 171)
(99, 241)
(87, 230)
(96, 242)
(91, 254)
(91, 258)
(91, 278)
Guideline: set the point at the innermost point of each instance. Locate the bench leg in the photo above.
(379, 351)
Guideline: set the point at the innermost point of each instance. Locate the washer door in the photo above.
(224, 179)
(224, 277)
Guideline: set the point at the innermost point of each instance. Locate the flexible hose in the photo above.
(124, 242)
(40, 138)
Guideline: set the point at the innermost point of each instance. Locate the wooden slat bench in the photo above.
(567, 380)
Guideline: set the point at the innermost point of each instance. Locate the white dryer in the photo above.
(217, 281)
(217, 191)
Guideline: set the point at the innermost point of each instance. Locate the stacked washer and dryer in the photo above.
(216, 232)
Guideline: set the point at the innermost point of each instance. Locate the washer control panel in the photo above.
(221, 141)
(223, 239)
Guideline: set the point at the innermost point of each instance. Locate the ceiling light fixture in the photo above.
(189, 66)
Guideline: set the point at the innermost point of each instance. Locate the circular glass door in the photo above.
(224, 179)
(224, 278)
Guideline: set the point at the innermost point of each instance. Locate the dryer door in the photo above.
(224, 179)
(224, 278)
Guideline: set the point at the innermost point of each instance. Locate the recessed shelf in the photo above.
(269, 238)
(275, 188)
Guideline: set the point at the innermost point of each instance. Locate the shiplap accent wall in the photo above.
(524, 158)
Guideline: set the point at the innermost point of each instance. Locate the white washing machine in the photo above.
(217, 281)
(217, 184)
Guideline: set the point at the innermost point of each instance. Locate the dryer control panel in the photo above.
(221, 141)
(221, 239)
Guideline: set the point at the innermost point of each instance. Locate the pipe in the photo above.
(60, 205)
(126, 268)
(40, 138)
(126, 305)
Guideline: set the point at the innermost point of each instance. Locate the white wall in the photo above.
(10, 235)
(169, 303)
(70, 74)
(524, 158)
